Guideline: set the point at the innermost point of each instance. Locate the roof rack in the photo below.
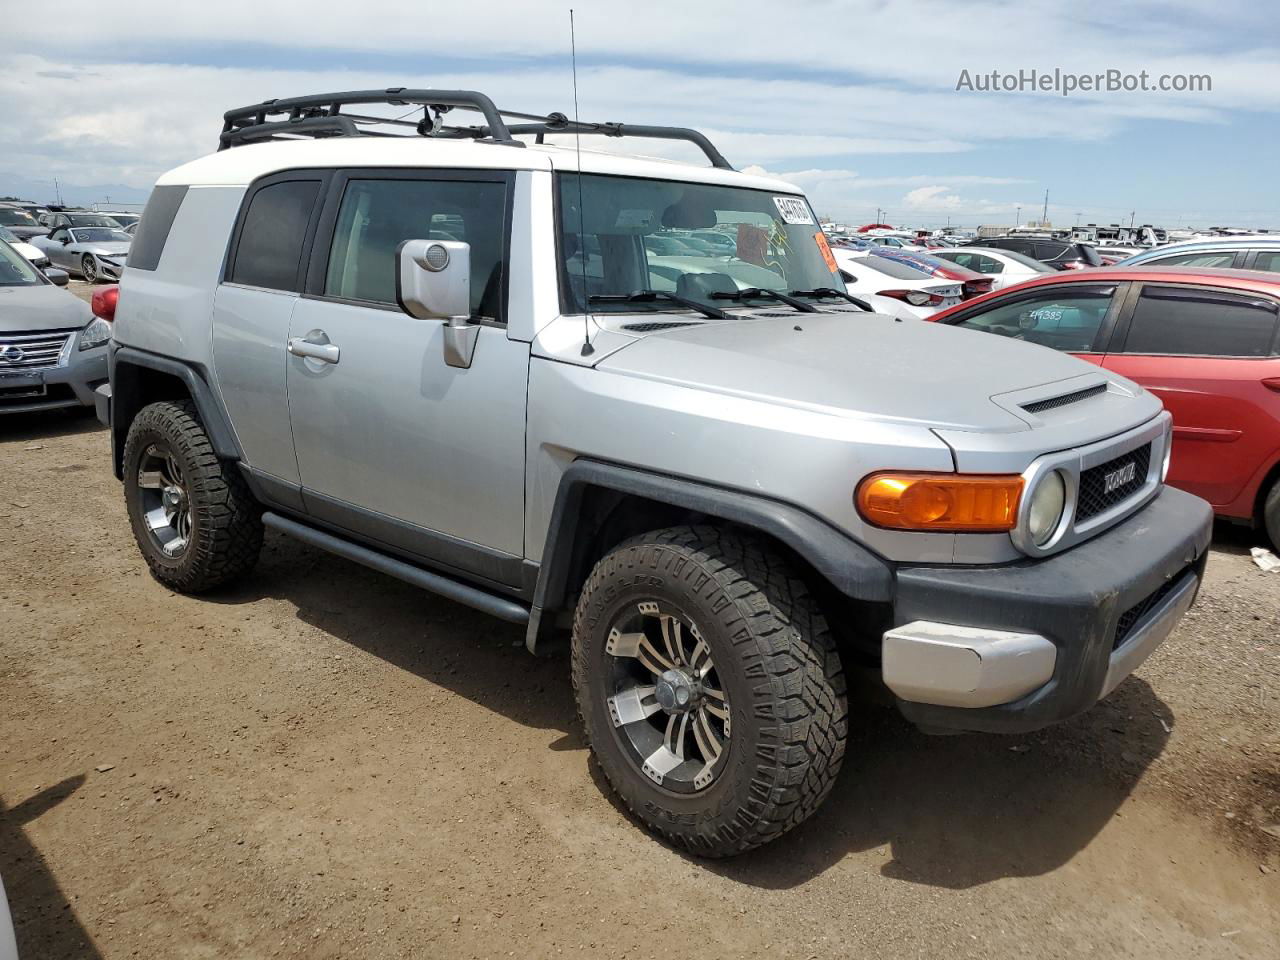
(322, 115)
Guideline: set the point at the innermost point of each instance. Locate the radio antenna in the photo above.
(587, 348)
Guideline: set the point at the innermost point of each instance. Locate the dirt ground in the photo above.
(326, 762)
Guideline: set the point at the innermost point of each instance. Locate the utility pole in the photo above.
(1018, 222)
(1077, 218)
(57, 190)
(1044, 217)
(1132, 213)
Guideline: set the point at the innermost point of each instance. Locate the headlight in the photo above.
(95, 334)
(1047, 504)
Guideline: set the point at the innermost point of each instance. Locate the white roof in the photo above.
(239, 166)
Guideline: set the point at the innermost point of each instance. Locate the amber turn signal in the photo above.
(976, 503)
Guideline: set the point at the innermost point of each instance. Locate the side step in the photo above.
(501, 607)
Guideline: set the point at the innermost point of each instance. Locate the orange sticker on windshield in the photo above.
(820, 239)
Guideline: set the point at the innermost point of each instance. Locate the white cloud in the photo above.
(932, 199)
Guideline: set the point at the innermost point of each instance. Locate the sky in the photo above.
(856, 101)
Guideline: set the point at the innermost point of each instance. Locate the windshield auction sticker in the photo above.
(793, 210)
(820, 239)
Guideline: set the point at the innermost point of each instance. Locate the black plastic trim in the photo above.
(124, 398)
(501, 607)
(464, 558)
(850, 567)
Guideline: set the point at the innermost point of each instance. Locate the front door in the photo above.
(392, 443)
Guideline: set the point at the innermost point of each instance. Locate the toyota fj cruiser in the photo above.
(631, 399)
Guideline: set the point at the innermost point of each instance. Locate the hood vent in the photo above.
(1052, 403)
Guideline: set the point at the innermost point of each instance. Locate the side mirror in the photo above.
(433, 281)
(57, 277)
(65, 240)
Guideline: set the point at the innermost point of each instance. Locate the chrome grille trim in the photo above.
(34, 351)
(1071, 464)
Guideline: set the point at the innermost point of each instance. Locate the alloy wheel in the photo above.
(668, 705)
(166, 502)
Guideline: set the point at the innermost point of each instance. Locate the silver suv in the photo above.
(469, 362)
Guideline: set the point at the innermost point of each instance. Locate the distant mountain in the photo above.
(73, 194)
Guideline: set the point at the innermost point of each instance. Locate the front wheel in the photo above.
(88, 269)
(710, 688)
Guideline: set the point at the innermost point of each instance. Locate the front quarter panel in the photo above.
(810, 459)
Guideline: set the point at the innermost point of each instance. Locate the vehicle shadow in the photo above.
(951, 812)
(45, 923)
(462, 650)
(25, 427)
(958, 812)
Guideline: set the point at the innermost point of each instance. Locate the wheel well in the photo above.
(608, 517)
(1264, 488)
(132, 388)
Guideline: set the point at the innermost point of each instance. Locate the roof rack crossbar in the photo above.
(322, 115)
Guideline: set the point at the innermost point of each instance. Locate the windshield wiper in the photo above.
(820, 292)
(648, 296)
(752, 292)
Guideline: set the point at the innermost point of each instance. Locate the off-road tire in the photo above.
(226, 521)
(1271, 514)
(776, 659)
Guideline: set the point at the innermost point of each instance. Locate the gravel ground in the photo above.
(325, 763)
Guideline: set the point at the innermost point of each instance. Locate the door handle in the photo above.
(314, 349)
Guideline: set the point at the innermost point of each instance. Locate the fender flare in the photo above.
(850, 567)
(125, 400)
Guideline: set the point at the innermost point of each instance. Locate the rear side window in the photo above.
(272, 233)
(1267, 260)
(1169, 320)
(377, 215)
(1220, 259)
(153, 228)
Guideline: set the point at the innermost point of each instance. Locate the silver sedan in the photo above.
(96, 253)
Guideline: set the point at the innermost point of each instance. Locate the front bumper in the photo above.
(108, 270)
(1014, 648)
(70, 384)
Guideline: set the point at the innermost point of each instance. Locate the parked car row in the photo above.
(92, 244)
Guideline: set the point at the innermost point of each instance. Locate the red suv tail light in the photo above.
(104, 302)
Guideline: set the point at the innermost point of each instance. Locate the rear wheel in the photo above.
(88, 269)
(1271, 514)
(710, 688)
(194, 520)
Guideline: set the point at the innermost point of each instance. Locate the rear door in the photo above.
(251, 312)
(1206, 352)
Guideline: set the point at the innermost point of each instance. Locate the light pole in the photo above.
(1018, 221)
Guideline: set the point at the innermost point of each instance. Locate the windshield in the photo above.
(15, 271)
(99, 235)
(14, 217)
(1026, 261)
(688, 239)
(91, 220)
(124, 219)
(7, 234)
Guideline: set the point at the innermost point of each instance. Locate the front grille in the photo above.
(1131, 617)
(1067, 398)
(657, 325)
(31, 351)
(1094, 497)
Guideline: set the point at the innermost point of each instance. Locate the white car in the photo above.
(1005, 267)
(8, 942)
(918, 293)
(35, 255)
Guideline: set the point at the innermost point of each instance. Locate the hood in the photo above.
(116, 248)
(870, 367)
(43, 307)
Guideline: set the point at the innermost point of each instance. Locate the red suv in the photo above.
(1206, 341)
